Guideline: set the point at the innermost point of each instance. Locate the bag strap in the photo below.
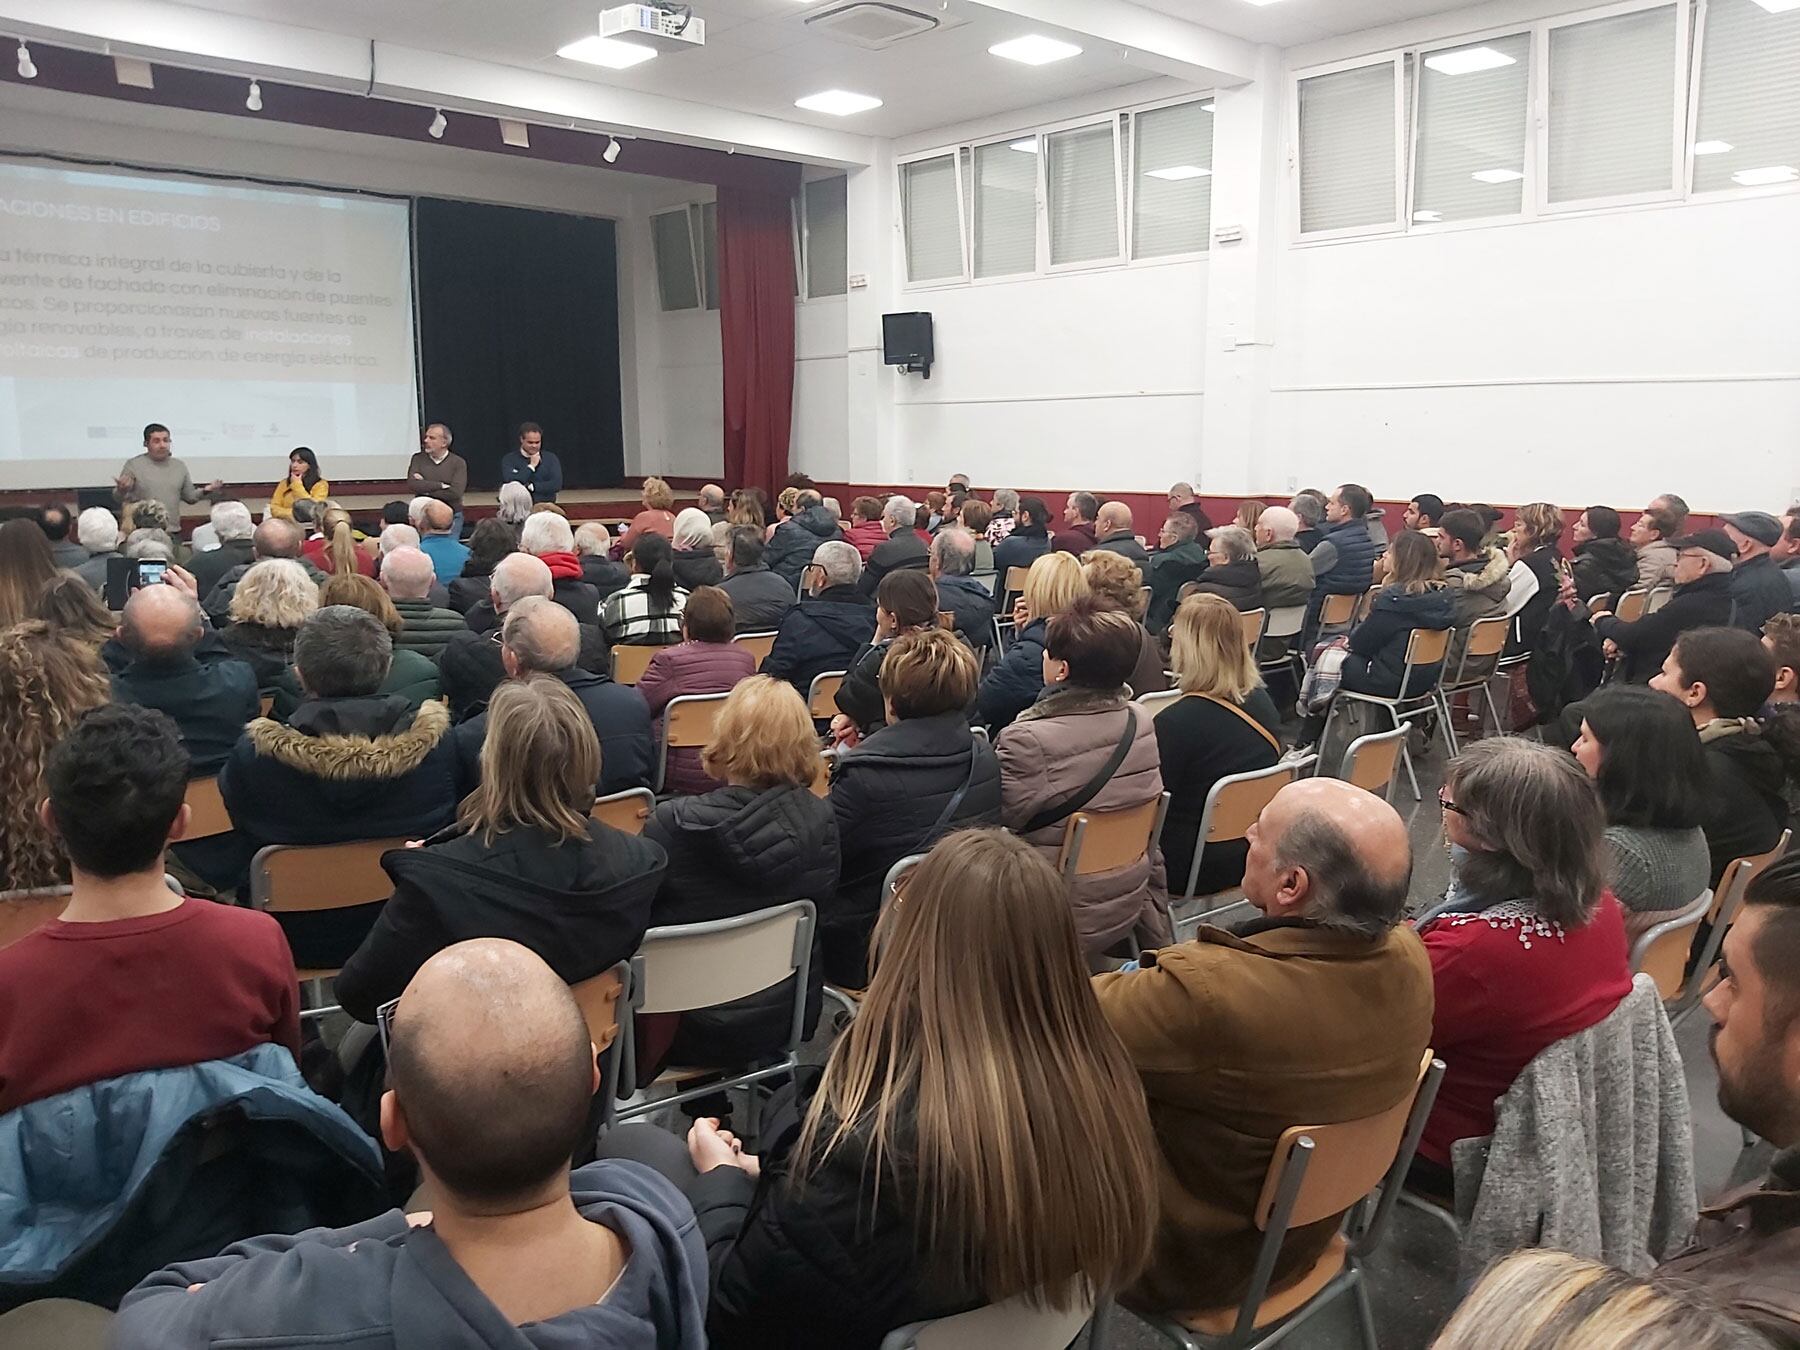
(1086, 793)
(1248, 720)
(948, 814)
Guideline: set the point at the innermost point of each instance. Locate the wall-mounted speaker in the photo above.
(906, 342)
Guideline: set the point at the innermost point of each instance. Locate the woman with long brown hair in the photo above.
(46, 684)
(72, 610)
(1537, 573)
(26, 563)
(977, 1134)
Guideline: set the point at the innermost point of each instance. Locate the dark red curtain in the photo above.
(756, 324)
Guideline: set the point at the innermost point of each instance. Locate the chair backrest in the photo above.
(1661, 951)
(1284, 621)
(599, 997)
(1099, 841)
(58, 1324)
(1659, 596)
(292, 878)
(688, 720)
(263, 704)
(1370, 761)
(757, 644)
(702, 965)
(1236, 800)
(207, 815)
(947, 620)
(1366, 601)
(1728, 898)
(627, 810)
(1631, 604)
(23, 912)
(1254, 620)
(821, 697)
(1016, 1324)
(629, 661)
(1015, 579)
(1487, 637)
(1338, 610)
(1426, 647)
(1155, 703)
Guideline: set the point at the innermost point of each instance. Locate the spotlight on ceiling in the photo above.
(611, 153)
(254, 101)
(27, 71)
(436, 129)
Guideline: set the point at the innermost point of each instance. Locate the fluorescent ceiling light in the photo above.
(1468, 60)
(1428, 217)
(608, 52)
(1207, 106)
(1260, 3)
(1028, 145)
(1179, 173)
(1774, 173)
(1496, 175)
(1035, 50)
(1779, 6)
(1712, 147)
(837, 102)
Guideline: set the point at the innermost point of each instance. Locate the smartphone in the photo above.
(147, 572)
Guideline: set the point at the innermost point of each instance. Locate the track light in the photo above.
(611, 153)
(27, 71)
(436, 129)
(254, 102)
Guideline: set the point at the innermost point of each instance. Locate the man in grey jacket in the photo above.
(492, 1074)
(159, 476)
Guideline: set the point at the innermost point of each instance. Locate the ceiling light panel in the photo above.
(1779, 6)
(609, 52)
(1496, 175)
(838, 102)
(1468, 60)
(1712, 147)
(1034, 50)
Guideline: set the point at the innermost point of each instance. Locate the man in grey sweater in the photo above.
(158, 475)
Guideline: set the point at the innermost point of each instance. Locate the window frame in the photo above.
(953, 154)
(1696, 62)
(1039, 235)
(802, 236)
(1128, 166)
(1396, 57)
(1045, 264)
(1533, 123)
(687, 211)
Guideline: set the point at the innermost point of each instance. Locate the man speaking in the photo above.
(157, 475)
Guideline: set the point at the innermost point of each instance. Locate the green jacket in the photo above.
(412, 674)
(1170, 570)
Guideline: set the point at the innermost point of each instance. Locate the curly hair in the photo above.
(275, 593)
(46, 684)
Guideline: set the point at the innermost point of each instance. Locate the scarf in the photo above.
(563, 566)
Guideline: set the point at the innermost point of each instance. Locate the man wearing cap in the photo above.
(1702, 599)
(1757, 586)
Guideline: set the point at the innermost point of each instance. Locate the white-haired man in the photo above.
(547, 535)
(98, 530)
(408, 578)
(904, 546)
(593, 545)
(824, 630)
(471, 664)
(232, 524)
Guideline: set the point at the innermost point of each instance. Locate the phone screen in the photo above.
(148, 572)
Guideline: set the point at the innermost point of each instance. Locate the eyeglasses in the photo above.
(384, 1023)
(1449, 805)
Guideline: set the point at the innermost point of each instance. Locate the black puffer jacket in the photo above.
(1013, 686)
(888, 794)
(697, 567)
(1604, 567)
(1644, 644)
(1377, 659)
(1745, 810)
(796, 539)
(820, 634)
(968, 600)
(734, 851)
(1239, 582)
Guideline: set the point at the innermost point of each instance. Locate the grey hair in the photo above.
(445, 428)
(1183, 526)
(1310, 508)
(711, 493)
(1235, 542)
(342, 652)
(1538, 826)
(693, 529)
(150, 543)
(277, 538)
(98, 529)
(1006, 499)
(415, 509)
(231, 521)
(541, 634)
(839, 561)
(546, 532)
(954, 548)
(397, 537)
(515, 502)
(1280, 521)
(149, 514)
(1086, 503)
(1342, 892)
(746, 547)
(900, 511)
(592, 537)
(518, 575)
(832, 508)
(407, 573)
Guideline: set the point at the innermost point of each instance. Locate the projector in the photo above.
(665, 27)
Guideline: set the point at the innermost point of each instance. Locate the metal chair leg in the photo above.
(1413, 778)
(1365, 1313)
(1446, 712)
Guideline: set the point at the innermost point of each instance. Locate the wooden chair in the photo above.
(264, 703)
(207, 815)
(627, 810)
(1317, 1171)
(1015, 580)
(1338, 611)
(629, 661)
(757, 644)
(687, 725)
(1099, 841)
(600, 998)
(1233, 805)
(1661, 951)
(1254, 620)
(23, 912)
(1366, 601)
(1284, 621)
(1728, 898)
(947, 620)
(1369, 761)
(1659, 596)
(307, 878)
(61, 1324)
(1475, 671)
(1426, 647)
(821, 697)
(1016, 1324)
(1632, 605)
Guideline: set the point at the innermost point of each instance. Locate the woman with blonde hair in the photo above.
(26, 566)
(335, 552)
(657, 517)
(1224, 723)
(1054, 582)
(72, 610)
(977, 1135)
(745, 509)
(411, 674)
(270, 603)
(523, 861)
(763, 839)
(1537, 572)
(46, 684)
(1115, 579)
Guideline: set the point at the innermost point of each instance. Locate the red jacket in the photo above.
(1077, 538)
(691, 668)
(866, 535)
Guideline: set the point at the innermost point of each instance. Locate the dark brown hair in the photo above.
(1100, 642)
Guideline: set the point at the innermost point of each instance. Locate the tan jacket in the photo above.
(1237, 1038)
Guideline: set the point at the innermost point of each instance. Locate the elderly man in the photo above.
(438, 541)
(824, 630)
(1115, 532)
(398, 535)
(1181, 558)
(1226, 1063)
(959, 594)
(471, 663)
(54, 521)
(760, 599)
(593, 545)
(156, 475)
(1653, 536)
(903, 546)
(165, 657)
(711, 499)
(98, 530)
(547, 535)
(408, 578)
(274, 538)
(1702, 599)
(1287, 574)
(1308, 507)
(1081, 511)
(540, 635)
(232, 524)
(1182, 498)
(491, 1079)
(795, 539)
(1758, 588)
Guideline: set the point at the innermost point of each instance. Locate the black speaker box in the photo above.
(906, 341)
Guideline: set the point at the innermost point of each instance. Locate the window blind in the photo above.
(929, 213)
(826, 237)
(703, 220)
(676, 282)
(1748, 121)
(1084, 195)
(1612, 106)
(1005, 209)
(1349, 160)
(1171, 180)
(1473, 120)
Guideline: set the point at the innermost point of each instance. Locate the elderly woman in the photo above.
(705, 661)
(149, 543)
(657, 517)
(1051, 586)
(271, 602)
(1083, 745)
(413, 675)
(1531, 911)
(1115, 579)
(1232, 571)
(515, 503)
(695, 562)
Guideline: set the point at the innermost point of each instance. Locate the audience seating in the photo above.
(1285, 622)
(629, 661)
(757, 644)
(1232, 807)
(304, 878)
(1425, 647)
(687, 725)
(1154, 703)
(1338, 613)
(1486, 640)
(23, 912)
(266, 702)
(1728, 898)
(63, 1324)
(627, 810)
(599, 998)
(1017, 1324)
(207, 815)
(1317, 1171)
(1366, 601)
(684, 967)
(1659, 596)
(1099, 841)
(947, 620)
(1369, 761)
(1255, 620)
(1632, 604)
(821, 696)
(1661, 951)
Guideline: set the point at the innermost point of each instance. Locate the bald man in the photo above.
(1115, 532)
(274, 538)
(1318, 1010)
(409, 579)
(711, 499)
(167, 657)
(471, 663)
(491, 1075)
(438, 541)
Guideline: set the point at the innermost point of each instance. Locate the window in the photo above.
(1171, 186)
(703, 220)
(1747, 125)
(1614, 108)
(1469, 156)
(932, 218)
(1005, 207)
(1082, 178)
(827, 244)
(1349, 149)
(676, 281)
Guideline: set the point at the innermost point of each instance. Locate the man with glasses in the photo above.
(823, 631)
(1702, 599)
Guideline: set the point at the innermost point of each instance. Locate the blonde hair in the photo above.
(981, 1078)
(1549, 1300)
(763, 737)
(1208, 651)
(657, 495)
(928, 672)
(275, 593)
(1541, 523)
(353, 588)
(46, 683)
(1054, 582)
(540, 760)
(1115, 578)
(340, 540)
(787, 501)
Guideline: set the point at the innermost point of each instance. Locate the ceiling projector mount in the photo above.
(666, 27)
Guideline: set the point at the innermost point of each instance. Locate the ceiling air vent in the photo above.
(871, 24)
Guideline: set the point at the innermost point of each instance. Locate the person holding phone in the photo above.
(303, 480)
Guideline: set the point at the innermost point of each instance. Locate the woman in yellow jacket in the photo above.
(302, 481)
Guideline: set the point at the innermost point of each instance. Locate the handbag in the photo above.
(1068, 806)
